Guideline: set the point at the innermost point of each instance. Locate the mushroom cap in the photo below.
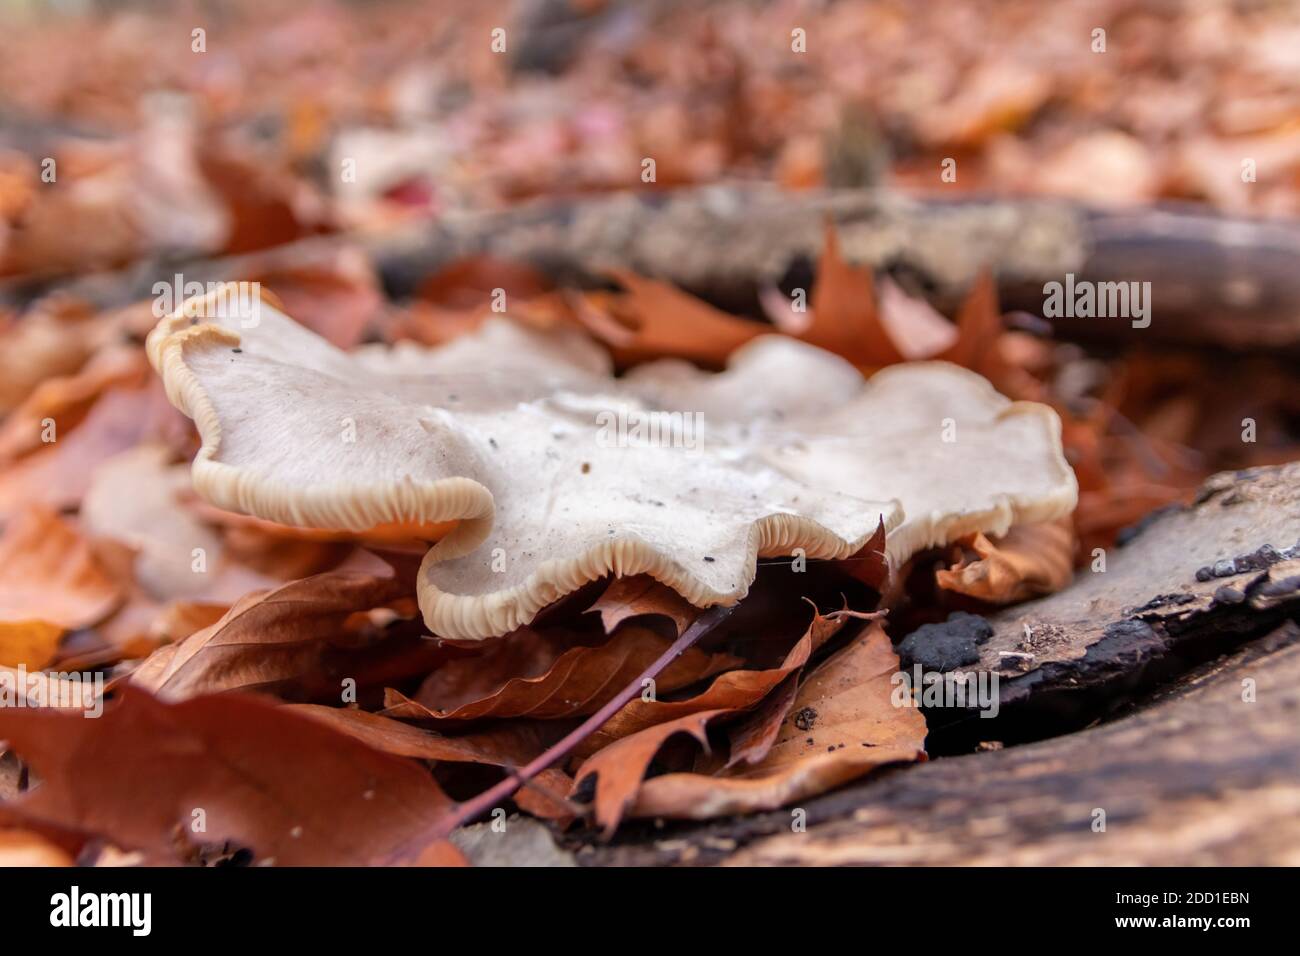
(559, 474)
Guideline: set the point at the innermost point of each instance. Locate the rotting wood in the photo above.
(1068, 658)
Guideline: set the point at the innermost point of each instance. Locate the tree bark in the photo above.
(1190, 584)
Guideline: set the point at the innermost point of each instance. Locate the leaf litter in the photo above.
(289, 695)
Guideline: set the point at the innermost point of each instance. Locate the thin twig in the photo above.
(489, 799)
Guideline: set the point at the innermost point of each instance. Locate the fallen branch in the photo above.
(1214, 279)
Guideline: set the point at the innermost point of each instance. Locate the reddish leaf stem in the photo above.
(489, 799)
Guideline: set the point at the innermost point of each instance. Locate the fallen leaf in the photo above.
(179, 619)
(546, 796)
(263, 204)
(143, 625)
(65, 400)
(507, 744)
(979, 332)
(291, 790)
(753, 738)
(1027, 561)
(639, 596)
(336, 288)
(1108, 168)
(845, 316)
(857, 728)
(48, 572)
(121, 200)
(913, 325)
(733, 691)
(469, 284)
(997, 95)
(50, 340)
(49, 690)
(577, 680)
(620, 768)
(653, 319)
(267, 637)
(643, 727)
(132, 499)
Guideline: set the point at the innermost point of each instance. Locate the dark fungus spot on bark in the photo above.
(941, 647)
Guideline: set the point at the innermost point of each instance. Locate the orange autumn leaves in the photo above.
(842, 722)
(253, 789)
(776, 752)
(843, 314)
(314, 621)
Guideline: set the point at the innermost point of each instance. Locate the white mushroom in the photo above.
(559, 474)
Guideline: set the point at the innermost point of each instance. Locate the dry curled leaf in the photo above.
(59, 403)
(914, 326)
(47, 689)
(845, 316)
(52, 339)
(854, 673)
(269, 637)
(179, 619)
(621, 767)
(979, 334)
(641, 596)
(58, 474)
(843, 723)
(337, 286)
(1028, 560)
(132, 499)
(735, 690)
